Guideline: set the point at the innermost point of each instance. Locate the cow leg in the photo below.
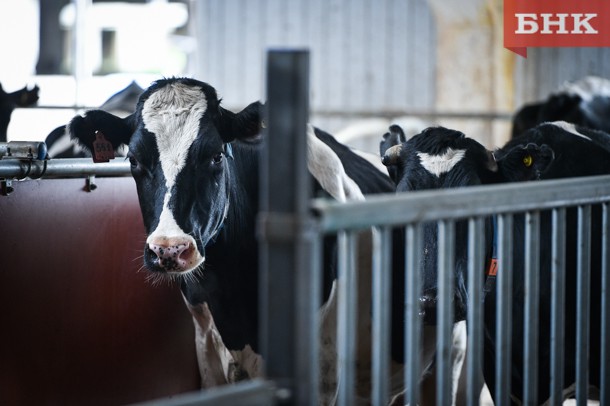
(216, 364)
(428, 381)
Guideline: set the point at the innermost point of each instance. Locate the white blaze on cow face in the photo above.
(173, 114)
(443, 163)
(571, 128)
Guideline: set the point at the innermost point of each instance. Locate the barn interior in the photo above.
(82, 322)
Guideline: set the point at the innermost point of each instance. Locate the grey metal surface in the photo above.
(605, 308)
(288, 315)
(583, 281)
(62, 168)
(413, 325)
(444, 341)
(557, 305)
(460, 202)
(381, 316)
(532, 289)
(476, 257)
(504, 303)
(347, 305)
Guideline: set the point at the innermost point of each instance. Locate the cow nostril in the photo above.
(175, 257)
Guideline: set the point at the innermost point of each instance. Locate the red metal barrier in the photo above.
(78, 323)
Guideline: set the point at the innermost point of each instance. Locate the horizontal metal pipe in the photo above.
(62, 168)
(388, 209)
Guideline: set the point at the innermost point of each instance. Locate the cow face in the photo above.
(443, 158)
(181, 159)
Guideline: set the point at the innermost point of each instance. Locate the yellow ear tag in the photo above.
(527, 160)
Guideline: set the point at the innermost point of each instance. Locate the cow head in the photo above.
(181, 158)
(443, 158)
(9, 101)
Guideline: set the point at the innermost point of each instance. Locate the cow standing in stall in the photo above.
(442, 158)
(196, 170)
(9, 101)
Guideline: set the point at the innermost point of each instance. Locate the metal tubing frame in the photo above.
(62, 168)
(474, 361)
(557, 305)
(413, 325)
(347, 305)
(289, 294)
(532, 308)
(382, 244)
(605, 308)
(583, 274)
(504, 309)
(445, 271)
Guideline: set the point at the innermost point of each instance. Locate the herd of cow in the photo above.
(195, 165)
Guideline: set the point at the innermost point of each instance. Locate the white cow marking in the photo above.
(172, 114)
(571, 128)
(443, 163)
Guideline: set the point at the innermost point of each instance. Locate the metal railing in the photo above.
(473, 204)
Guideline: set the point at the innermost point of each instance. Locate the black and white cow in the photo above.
(585, 102)
(9, 101)
(196, 170)
(441, 158)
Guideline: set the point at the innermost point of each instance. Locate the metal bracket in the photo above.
(90, 185)
(6, 187)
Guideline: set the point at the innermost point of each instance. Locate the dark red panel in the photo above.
(80, 324)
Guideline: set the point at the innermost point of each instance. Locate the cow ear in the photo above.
(116, 130)
(244, 126)
(491, 163)
(395, 136)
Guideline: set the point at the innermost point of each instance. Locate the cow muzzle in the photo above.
(174, 254)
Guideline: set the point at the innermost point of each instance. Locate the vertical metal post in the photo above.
(381, 315)
(347, 303)
(289, 332)
(504, 308)
(605, 318)
(583, 272)
(532, 289)
(557, 304)
(444, 341)
(475, 309)
(413, 325)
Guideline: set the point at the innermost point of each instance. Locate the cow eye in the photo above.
(528, 160)
(217, 159)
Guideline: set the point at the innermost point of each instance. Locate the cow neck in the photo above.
(491, 270)
(241, 192)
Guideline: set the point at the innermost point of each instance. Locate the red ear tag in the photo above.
(102, 148)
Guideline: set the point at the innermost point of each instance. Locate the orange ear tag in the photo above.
(102, 148)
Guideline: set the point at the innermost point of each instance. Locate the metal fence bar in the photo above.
(413, 327)
(382, 244)
(457, 203)
(287, 320)
(605, 309)
(347, 304)
(62, 168)
(249, 393)
(475, 312)
(557, 304)
(583, 272)
(446, 265)
(504, 309)
(532, 289)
